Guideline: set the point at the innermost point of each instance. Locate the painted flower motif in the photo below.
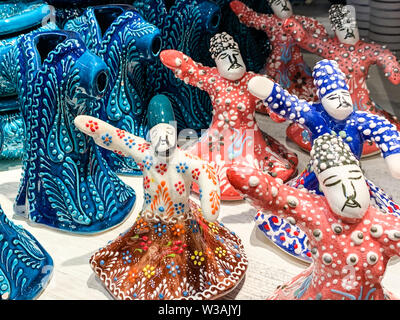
(180, 187)
(220, 252)
(148, 162)
(92, 125)
(147, 198)
(126, 257)
(142, 147)
(197, 258)
(142, 226)
(196, 174)
(213, 227)
(161, 168)
(227, 119)
(194, 226)
(179, 207)
(178, 229)
(146, 182)
(275, 62)
(107, 139)
(160, 229)
(133, 274)
(145, 242)
(173, 269)
(299, 80)
(149, 271)
(121, 133)
(129, 142)
(179, 247)
(182, 167)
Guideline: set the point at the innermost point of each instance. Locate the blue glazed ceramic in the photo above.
(16, 18)
(25, 267)
(187, 26)
(128, 45)
(254, 44)
(66, 183)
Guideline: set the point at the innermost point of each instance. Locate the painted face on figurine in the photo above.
(163, 139)
(346, 190)
(343, 22)
(230, 64)
(348, 32)
(282, 8)
(338, 104)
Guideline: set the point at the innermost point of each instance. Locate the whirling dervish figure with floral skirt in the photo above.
(175, 249)
(233, 136)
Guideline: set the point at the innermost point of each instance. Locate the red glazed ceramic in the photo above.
(354, 57)
(351, 242)
(233, 136)
(175, 249)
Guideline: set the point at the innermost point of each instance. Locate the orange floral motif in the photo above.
(146, 182)
(162, 202)
(161, 168)
(215, 200)
(195, 174)
(211, 173)
(142, 147)
(133, 274)
(180, 187)
(92, 125)
(142, 225)
(121, 133)
(178, 229)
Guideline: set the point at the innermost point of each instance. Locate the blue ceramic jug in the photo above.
(25, 267)
(16, 18)
(128, 45)
(66, 183)
(187, 26)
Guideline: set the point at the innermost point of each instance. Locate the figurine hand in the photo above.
(261, 87)
(172, 59)
(290, 24)
(237, 7)
(393, 162)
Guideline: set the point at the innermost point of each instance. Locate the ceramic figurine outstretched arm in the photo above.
(267, 194)
(249, 17)
(186, 69)
(112, 138)
(282, 103)
(388, 62)
(210, 194)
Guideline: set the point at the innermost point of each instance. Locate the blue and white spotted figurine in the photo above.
(25, 267)
(128, 45)
(66, 183)
(334, 114)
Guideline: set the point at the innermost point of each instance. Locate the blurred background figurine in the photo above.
(176, 249)
(233, 136)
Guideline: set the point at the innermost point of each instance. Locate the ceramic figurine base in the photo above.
(129, 46)
(25, 267)
(194, 259)
(66, 183)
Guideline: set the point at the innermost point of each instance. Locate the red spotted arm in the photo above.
(251, 18)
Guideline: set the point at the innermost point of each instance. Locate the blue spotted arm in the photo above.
(286, 105)
(379, 130)
(112, 138)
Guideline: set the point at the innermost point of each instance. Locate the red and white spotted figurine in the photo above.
(354, 57)
(233, 136)
(351, 242)
(176, 249)
(285, 64)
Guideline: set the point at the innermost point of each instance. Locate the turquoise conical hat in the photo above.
(160, 111)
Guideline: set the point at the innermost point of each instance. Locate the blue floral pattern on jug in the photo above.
(128, 45)
(25, 267)
(66, 183)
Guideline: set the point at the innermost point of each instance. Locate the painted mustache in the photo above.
(234, 66)
(344, 105)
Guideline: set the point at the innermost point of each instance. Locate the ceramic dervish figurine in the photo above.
(176, 249)
(66, 183)
(351, 242)
(333, 114)
(285, 64)
(233, 136)
(354, 57)
(25, 267)
(128, 44)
